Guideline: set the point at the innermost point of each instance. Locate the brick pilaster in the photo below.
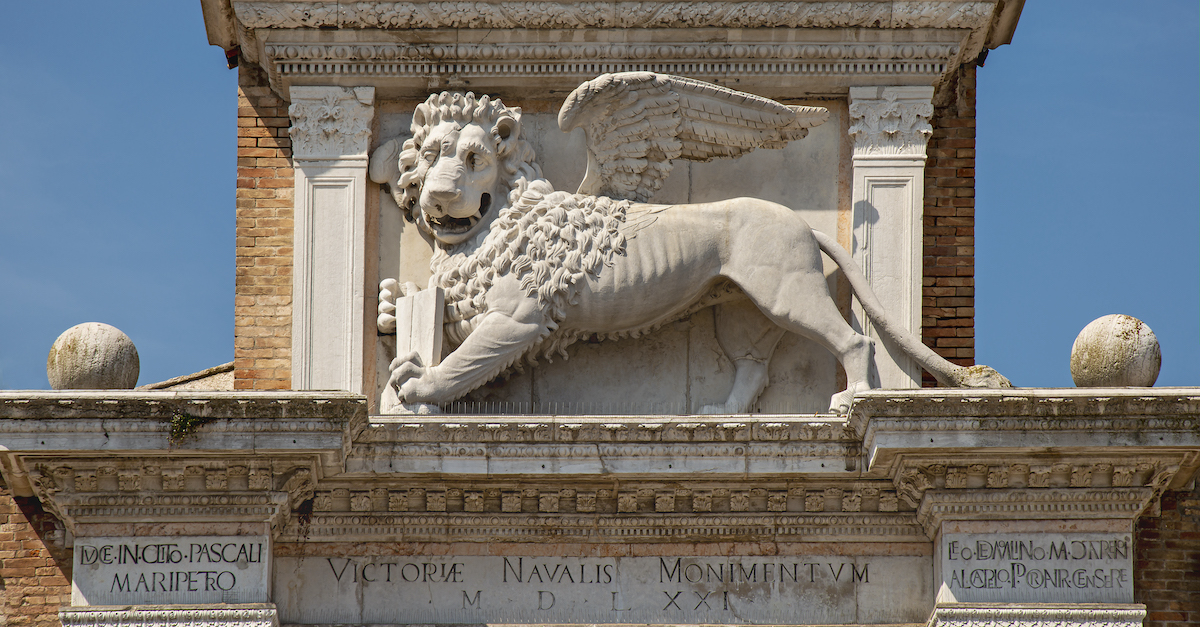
(262, 348)
(948, 285)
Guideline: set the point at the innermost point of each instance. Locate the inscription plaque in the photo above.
(1036, 567)
(693, 590)
(170, 569)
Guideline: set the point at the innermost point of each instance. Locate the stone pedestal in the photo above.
(948, 507)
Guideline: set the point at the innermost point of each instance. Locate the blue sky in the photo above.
(117, 184)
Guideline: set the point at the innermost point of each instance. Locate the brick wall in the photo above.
(1166, 573)
(263, 286)
(948, 284)
(35, 565)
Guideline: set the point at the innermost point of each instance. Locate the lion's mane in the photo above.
(550, 240)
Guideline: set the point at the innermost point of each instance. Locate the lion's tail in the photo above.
(945, 372)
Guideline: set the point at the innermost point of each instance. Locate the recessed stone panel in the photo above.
(170, 569)
(815, 589)
(1037, 567)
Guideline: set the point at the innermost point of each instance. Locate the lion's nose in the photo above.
(445, 196)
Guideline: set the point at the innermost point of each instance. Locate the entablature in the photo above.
(772, 48)
(314, 465)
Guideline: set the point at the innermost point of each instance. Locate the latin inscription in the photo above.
(503, 589)
(171, 569)
(1038, 567)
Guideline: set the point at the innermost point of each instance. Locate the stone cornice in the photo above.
(520, 63)
(49, 423)
(26, 404)
(1097, 422)
(1037, 615)
(888, 14)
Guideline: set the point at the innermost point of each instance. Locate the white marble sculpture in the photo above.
(528, 270)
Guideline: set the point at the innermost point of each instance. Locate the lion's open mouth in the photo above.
(448, 224)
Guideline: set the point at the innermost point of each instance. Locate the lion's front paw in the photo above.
(415, 383)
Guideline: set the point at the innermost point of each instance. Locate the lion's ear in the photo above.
(506, 132)
(384, 166)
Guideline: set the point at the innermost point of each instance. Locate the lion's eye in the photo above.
(477, 161)
(429, 155)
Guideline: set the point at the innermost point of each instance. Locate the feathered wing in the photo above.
(637, 123)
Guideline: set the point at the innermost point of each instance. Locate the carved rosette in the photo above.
(331, 122)
(890, 121)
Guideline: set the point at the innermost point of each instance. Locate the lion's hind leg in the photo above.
(792, 292)
(748, 338)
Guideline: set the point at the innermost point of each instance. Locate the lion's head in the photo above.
(465, 159)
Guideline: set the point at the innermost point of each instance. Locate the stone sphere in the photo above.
(1115, 351)
(93, 356)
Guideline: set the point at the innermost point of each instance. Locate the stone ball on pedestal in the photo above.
(93, 356)
(1115, 351)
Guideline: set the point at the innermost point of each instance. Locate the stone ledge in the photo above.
(106, 422)
(1084, 420)
(219, 615)
(1037, 615)
(112, 404)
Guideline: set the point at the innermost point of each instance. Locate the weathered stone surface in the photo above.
(1036, 566)
(1115, 350)
(1038, 615)
(92, 356)
(531, 588)
(206, 615)
(171, 569)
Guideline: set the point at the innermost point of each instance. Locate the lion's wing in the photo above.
(637, 123)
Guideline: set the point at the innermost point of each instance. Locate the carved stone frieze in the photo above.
(331, 122)
(421, 65)
(630, 497)
(545, 15)
(246, 615)
(1041, 615)
(96, 490)
(1052, 504)
(629, 527)
(914, 479)
(890, 121)
(906, 55)
(581, 445)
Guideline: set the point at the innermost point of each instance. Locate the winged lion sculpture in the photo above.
(528, 270)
